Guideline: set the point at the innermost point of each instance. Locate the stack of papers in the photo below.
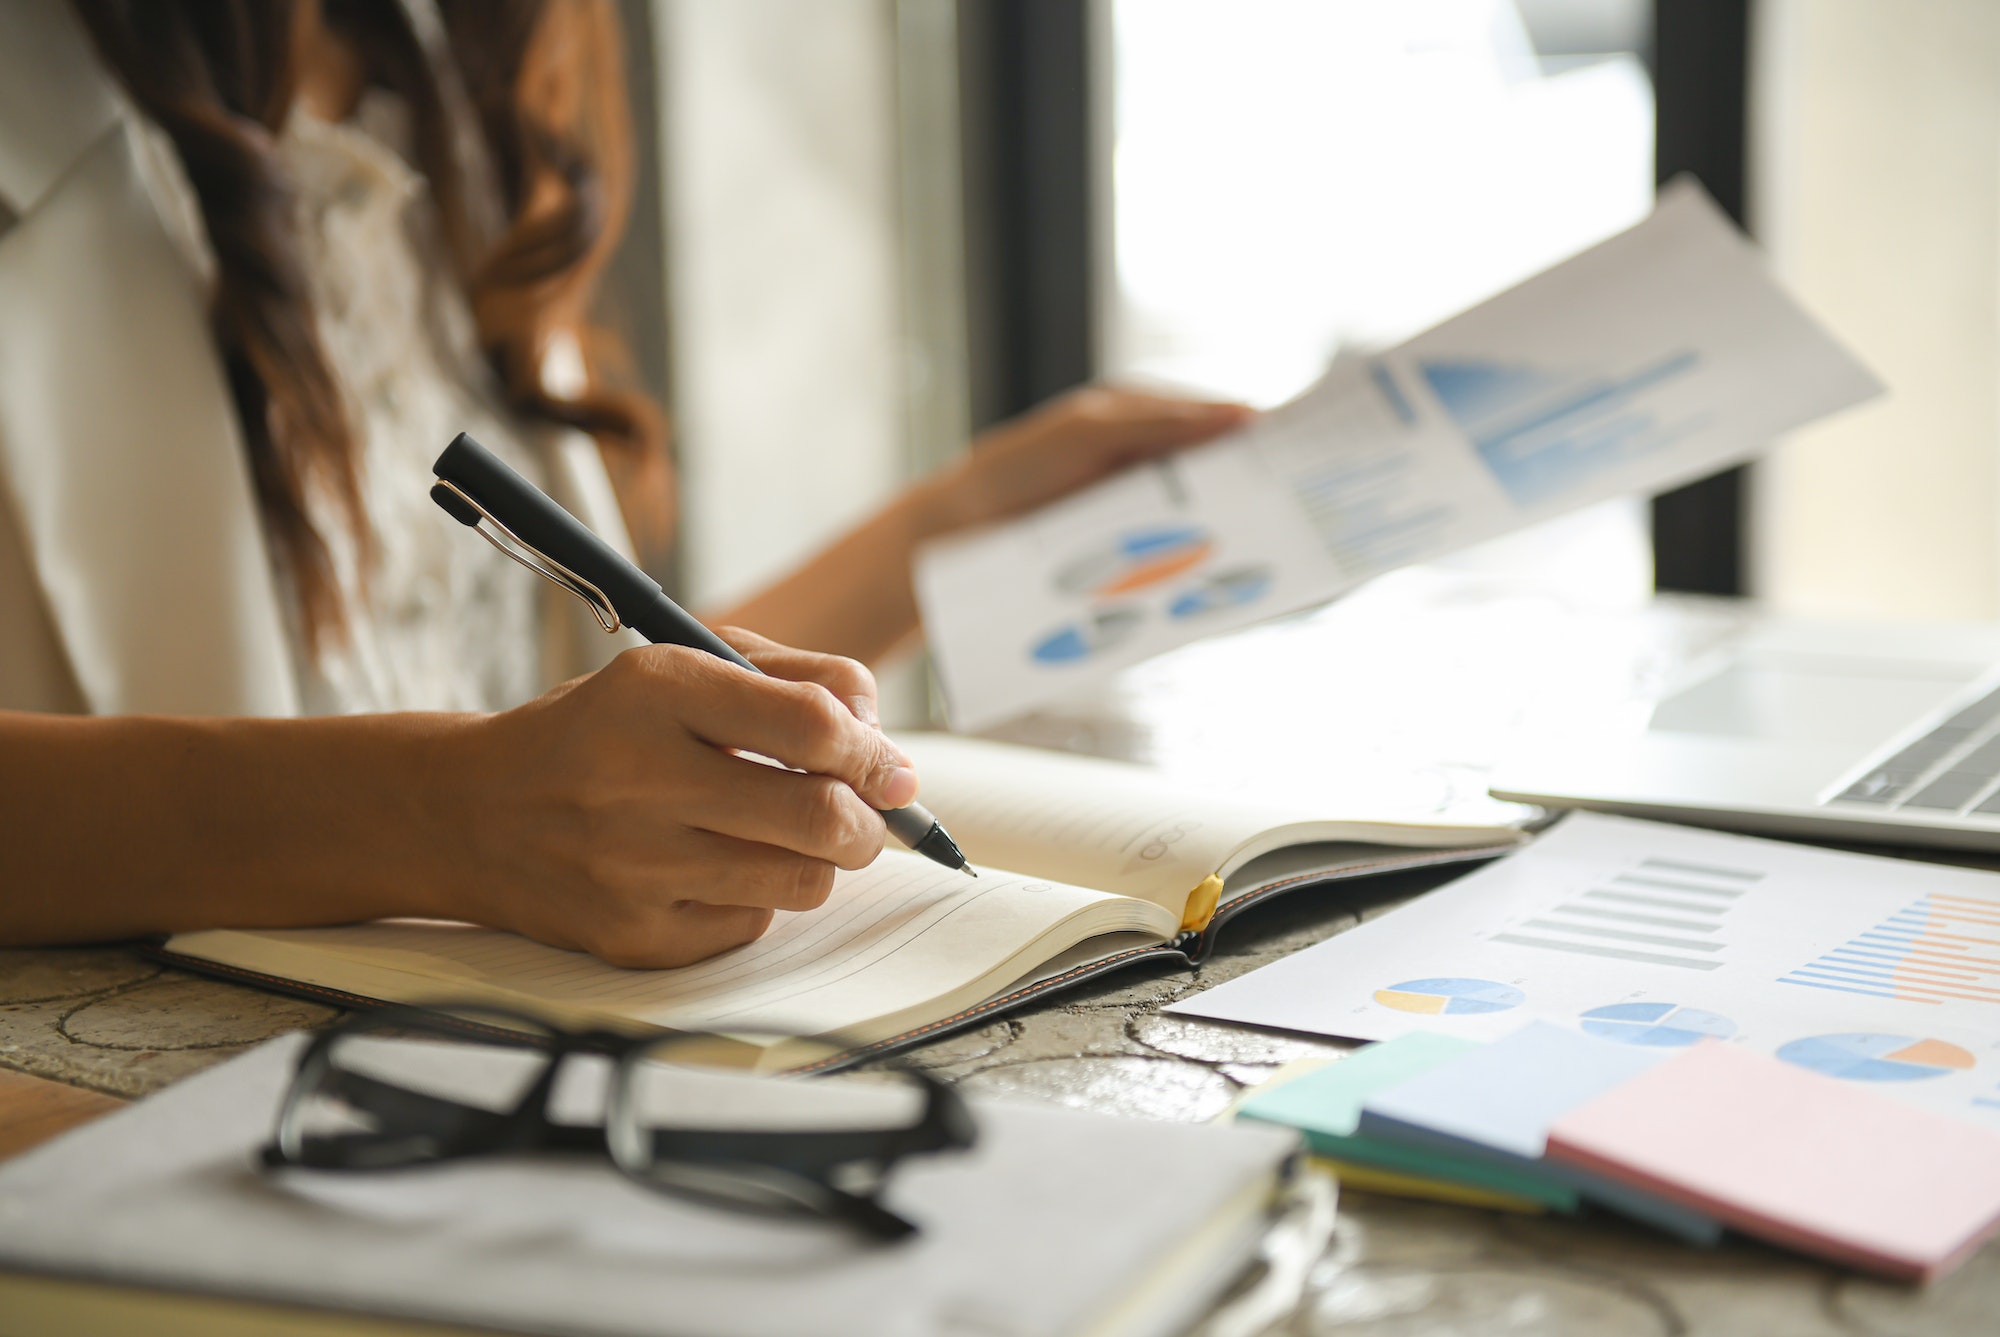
(1325, 1102)
(1696, 1030)
(1689, 1140)
(1881, 973)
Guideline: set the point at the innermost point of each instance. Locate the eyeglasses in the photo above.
(401, 1087)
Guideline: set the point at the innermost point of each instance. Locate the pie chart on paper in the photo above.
(1224, 590)
(1876, 1057)
(1661, 1025)
(1449, 996)
(1090, 635)
(1135, 561)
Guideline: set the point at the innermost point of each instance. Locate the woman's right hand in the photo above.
(616, 817)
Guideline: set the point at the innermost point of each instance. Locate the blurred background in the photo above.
(875, 226)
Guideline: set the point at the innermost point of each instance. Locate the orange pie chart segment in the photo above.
(1157, 569)
(1411, 1002)
(1932, 1053)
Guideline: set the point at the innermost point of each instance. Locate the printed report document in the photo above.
(1085, 866)
(1660, 355)
(1882, 972)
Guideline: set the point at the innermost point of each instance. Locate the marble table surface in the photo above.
(110, 1020)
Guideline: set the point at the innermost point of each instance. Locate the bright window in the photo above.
(1293, 177)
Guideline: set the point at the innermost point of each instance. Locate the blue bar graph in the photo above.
(1941, 948)
(1542, 432)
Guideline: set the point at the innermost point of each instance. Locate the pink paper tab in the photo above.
(1806, 1161)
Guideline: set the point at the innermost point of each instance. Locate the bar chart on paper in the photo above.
(1541, 431)
(1940, 947)
(1655, 911)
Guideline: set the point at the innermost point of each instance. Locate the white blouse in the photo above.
(440, 621)
(134, 576)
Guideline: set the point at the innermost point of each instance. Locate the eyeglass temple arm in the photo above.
(946, 1124)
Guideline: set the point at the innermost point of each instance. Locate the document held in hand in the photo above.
(1656, 357)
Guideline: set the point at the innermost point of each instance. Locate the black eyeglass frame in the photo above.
(799, 1169)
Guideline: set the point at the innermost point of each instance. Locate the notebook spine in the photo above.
(1197, 945)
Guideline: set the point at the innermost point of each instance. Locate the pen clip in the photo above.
(514, 546)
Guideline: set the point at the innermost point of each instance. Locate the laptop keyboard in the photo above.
(1954, 768)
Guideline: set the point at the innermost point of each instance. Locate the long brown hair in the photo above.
(544, 81)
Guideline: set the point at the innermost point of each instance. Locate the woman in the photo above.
(259, 261)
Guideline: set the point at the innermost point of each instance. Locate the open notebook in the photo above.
(1085, 866)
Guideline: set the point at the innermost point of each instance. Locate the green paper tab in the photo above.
(1325, 1105)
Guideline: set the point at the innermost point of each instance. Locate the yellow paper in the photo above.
(1371, 1179)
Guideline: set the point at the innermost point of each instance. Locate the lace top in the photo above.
(440, 621)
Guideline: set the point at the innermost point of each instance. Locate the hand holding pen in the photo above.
(615, 816)
(813, 727)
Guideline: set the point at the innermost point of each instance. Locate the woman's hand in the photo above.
(856, 597)
(622, 821)
(1069, 443)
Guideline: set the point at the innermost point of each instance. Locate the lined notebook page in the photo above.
(1097, 823)
(892, 940)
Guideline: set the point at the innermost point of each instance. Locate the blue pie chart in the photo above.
(1092, 634)
(1661, 1025)
(1450, 996)
(1864, 1056)
(1226, 589)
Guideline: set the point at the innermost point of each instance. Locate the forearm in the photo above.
(854, 597)
(122, 826)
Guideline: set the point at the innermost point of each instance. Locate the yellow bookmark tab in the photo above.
(1371, 1179)
(1201, 903)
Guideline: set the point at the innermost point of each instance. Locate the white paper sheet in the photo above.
(1659, 356)
(1885, 971)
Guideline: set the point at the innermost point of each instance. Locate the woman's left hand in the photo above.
(856, 597)
(1069, 443)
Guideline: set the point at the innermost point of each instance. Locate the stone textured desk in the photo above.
(109, 1020)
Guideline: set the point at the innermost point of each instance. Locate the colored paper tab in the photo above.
(1803, 1160)
(1325, 1104)
(1373, 1179)
(1497, 1102)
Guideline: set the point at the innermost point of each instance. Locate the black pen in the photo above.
(519, 519)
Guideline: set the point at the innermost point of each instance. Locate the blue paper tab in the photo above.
(1326, 1105)
(1498, 1102)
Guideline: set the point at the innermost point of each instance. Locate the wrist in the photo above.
(436, 809)
(945, 502)
(297, 822)
(372, 814)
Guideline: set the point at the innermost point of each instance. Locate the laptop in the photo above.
(1886, 733)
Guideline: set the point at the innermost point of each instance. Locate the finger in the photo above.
(1151, 404)
(1134, 424)
(681, 934)
(815, 817)
(846, 678)
(725, 870)
(800, 724)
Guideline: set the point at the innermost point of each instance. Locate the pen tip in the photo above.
(968, 868)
